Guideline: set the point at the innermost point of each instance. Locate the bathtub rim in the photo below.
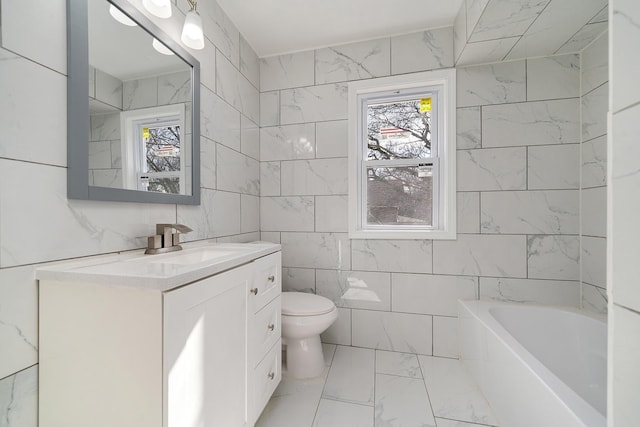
(581, 410)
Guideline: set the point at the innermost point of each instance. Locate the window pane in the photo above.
(399, 129)
(162, 185)
(400, 195)
(162, 148)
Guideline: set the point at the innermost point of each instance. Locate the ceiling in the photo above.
(283, 26)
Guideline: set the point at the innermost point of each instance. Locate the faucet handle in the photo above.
(154, 242)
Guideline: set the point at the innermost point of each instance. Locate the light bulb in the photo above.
(192, 34)
(160, 47)
(121, 17)
(159, 8)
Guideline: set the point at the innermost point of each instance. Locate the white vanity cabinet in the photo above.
(265, 349)
(206, 353)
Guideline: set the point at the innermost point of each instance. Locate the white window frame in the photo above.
(132, 149)
(443, 154)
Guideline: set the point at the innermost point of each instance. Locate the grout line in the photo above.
(350, 328)
(595, 286)
(17, 372)
(33, 61)
(526, 80)
(432, 274)
(628, 107)
(526, 169)
(634, 311)
(525, 101)
(593, 237)
(504, 58)
(349, 402)
(481, 124)
(592, 90)
(526, 254)
(323, 386)
(426, 388)
(580, 193)
(375, 381)
(570, 39)
(471, 423)
(32, 162)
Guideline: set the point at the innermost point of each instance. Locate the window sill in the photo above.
(400, 235)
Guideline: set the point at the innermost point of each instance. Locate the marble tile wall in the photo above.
(623, 175)
(494, 30)
(38, 224)
(518, 191)
(105, 160)
(594, 94)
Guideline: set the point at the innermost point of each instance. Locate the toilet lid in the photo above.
(303, 304)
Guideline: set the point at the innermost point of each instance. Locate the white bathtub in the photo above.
(536, 365)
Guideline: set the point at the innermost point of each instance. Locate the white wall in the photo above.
(518, 191)
(623, 205)
(37, 222)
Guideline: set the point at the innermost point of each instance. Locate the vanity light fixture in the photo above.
(159, 8)
(121, 17)
(157, 45)
(192, 33)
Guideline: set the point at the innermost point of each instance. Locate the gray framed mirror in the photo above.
(133, 108)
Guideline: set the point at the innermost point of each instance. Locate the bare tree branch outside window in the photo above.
(162, 152)
(402, 194)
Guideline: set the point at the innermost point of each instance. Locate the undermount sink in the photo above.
(193, 256)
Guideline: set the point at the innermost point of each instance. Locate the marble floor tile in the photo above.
(351, 377)
(400, 364)
(402, 402)
(328, 350)
(367, 388)
(443, 422)
(453, 394)
(333, 413)
(293, 404)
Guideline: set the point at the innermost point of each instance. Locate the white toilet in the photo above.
(304, 318)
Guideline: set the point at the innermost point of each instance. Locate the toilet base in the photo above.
(304, 357)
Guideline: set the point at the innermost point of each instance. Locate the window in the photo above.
(153, 157)
(402, 157)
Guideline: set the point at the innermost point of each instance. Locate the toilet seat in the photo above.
(303, 304)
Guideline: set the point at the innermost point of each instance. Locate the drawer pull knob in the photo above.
(271, 278)
(271, 327)
(254, 291)
(271, 375)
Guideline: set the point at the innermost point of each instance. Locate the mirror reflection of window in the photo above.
(161, 165)
(153, 151)
(140, 97)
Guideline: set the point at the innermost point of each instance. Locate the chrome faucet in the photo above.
(165, 240)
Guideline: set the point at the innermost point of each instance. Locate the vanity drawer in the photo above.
(267, 376)
(267, 281)
(265, 331)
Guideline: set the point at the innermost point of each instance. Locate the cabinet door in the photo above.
(205, 372)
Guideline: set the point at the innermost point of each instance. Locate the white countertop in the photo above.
(161, 272)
